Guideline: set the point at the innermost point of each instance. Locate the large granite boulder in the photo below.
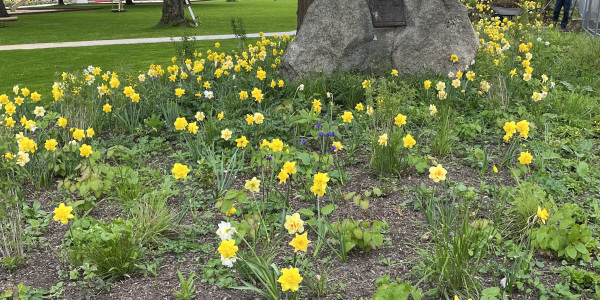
(339, 34)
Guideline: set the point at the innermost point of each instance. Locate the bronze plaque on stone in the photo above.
(387, 13)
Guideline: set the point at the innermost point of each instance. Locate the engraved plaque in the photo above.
(387, 13)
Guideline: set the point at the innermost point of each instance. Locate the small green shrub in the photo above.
(566, 235)
(365, 235)
(110, 246)
(389, 289)
(187, 287)
(458, 247)
(582, 281)
(153, 219)
(525, 202)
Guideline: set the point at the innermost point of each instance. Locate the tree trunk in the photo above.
(61, 2)
(302, 8)
(3, 12)
(172, 13)
(129, 2)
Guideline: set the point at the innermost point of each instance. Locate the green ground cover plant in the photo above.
(208, 174)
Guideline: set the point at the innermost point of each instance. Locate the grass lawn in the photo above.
(38, 69)
(139, 21)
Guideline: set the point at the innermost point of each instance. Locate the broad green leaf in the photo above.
(231, 194)
(366, 236)
(583, 169)
(304, 158)
(328, 209)
(364, 204)
(571, 252)
(581, 248)
(357, 233)
(227, 205)
(377, 192)
(378, 239)
(554, 244)
(306, 212)
(540, 236)
(349, 196)
(348, 245)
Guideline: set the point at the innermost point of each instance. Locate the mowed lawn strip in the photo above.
(38, 69)
(139, 22)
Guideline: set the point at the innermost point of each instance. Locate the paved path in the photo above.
(131, 41)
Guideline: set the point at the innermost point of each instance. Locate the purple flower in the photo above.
(333, 148)
(318, 125)
(154, 78)
(330, 134)
(321, 134)
(303, 141)
(269, 158)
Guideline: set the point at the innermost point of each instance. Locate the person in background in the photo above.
(566, 6)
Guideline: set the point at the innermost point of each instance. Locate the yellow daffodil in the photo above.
(542, 214)
(290, 279)
(90, 132)
(258, 118)
(523, 128)
(300, 242)
(294, 223)
(337, 146)
(383, 139)
(253, 185)
(180, 124)
(400, 120)
(347, 117)
(276, 145)
(319, 186)
(242, 142)
(51, 145)
(409, 141)
(226, 134)
(179, 92)
(193, 128)
(107, 108)
(63, 213)
(257, 95)
(180, 171)
(283, 176)
(227, 249)
(250, 119)
(289, 167)
(437, 173)
(525, 158)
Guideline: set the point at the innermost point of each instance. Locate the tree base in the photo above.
(186, 22)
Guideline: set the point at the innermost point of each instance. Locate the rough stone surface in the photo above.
(340, 35)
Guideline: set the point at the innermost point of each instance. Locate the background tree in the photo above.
(3, 12)
(172, 13)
